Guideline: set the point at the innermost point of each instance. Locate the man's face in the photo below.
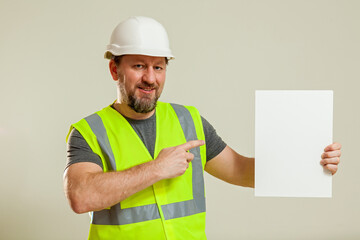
(140, 81)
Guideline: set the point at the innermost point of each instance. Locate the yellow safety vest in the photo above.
(169, 209)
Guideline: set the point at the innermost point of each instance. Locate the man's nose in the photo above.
(149, 76)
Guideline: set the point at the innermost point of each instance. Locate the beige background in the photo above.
(53, 73)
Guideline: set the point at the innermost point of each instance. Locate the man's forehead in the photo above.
(143, 58)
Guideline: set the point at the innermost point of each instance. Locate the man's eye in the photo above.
(158, 68)
(139, 66)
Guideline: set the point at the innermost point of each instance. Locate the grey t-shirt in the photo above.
(78, 150)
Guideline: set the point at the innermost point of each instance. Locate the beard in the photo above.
(139, 104)
(142, 105)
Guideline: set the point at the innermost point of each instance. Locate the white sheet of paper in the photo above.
(292, 128)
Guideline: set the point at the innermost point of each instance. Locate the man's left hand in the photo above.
(331, 157)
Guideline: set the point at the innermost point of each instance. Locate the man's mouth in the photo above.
(146, 89)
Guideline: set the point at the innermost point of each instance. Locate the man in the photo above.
(138, 164)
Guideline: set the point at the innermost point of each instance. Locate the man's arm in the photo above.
(233, 168)
(88, 188)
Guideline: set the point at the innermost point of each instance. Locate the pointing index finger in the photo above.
(192, 144)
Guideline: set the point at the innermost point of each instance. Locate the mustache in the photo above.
(147, 85)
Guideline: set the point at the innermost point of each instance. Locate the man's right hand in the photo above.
(173, 161)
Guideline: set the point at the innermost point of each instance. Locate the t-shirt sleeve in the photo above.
(78, 150)
(214, 143)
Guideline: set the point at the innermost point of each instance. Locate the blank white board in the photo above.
(292, 128)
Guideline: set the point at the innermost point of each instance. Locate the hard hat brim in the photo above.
(135, 51)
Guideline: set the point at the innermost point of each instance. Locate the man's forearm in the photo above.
(95, 190)
(233, 168)
(246, 171)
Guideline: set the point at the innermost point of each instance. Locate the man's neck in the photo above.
(128, 112)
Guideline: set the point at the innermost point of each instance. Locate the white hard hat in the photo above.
(139, 35)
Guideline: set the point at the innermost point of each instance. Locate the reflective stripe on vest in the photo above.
(98, 128)
(117, 216)
(197, 204)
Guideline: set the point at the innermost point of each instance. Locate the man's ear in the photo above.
(113, 70)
